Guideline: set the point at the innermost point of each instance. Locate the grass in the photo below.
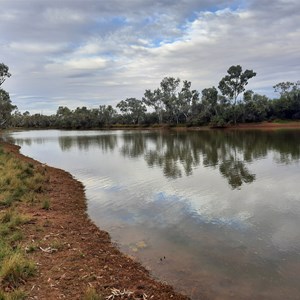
(20, 182)
(15, 295)
(46, 204)
(91, 294)
(15, 268)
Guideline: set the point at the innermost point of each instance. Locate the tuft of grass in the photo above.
(16, 237)
(12, 219)
(5, 251)
(7, 201)
(15, 268)
(31, 248)
(36, 182)
(14, 295)
(57, 245)
(7, 216)
(91, 294)
(46, 204)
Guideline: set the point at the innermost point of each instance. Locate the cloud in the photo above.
(36, 47)
(117, 49)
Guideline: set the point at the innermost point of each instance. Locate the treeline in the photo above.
(175, 102)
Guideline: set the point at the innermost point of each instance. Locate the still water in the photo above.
(214, 213)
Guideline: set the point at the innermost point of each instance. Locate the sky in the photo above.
(97, 52)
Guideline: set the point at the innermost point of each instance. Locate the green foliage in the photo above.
(132, 109)
(4, 73)
(6, 106)
(171, 103)
(233, 84)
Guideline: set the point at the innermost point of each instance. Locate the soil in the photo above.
(72, 254)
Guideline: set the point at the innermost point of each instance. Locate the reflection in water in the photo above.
(176, 154)
(105, 142)
(223, 207)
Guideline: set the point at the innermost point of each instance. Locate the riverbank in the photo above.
(279, 124)
(74, 259)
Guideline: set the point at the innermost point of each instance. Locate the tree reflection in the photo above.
(105, 142)
(236, 172)
(178, 153)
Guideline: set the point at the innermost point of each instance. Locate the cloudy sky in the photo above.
(94, 52)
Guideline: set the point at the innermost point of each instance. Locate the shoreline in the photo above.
(265, 125)
(81, 256)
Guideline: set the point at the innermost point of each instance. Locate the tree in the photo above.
(210, 104)
(169, 91)
(133, 108)
(106, 114)
(233, 84)
(155, 100)
(6, 107)
(287, 88)
(4, 73)
(171, 102)
(188, 100)
(256, 107)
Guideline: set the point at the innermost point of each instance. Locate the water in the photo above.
(215, 213)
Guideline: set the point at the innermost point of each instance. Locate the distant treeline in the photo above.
(175, 102)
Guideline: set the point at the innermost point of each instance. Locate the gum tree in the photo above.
(6, 106)
(234, 83)
(3, 73)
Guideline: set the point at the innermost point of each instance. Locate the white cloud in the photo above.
(37, 47)
(59, 16)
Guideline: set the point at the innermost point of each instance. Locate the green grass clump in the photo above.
(91, 294)
(16, 268)
(46, 204)
(15, 295)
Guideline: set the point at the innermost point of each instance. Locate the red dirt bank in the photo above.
(85, 256)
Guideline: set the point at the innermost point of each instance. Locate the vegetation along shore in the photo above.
(174, 102)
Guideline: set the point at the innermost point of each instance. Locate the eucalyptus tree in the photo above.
(6, 106)
(155, 100)
(169, 88)
(172, 101)
(106, 114)
(210, 105)
(132, 108)
(234, 83)
(288, 105)
(287, 88)
(188, 100)
(4, 73)
(256, 107)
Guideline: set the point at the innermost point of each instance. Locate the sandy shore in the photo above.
(82, 255)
